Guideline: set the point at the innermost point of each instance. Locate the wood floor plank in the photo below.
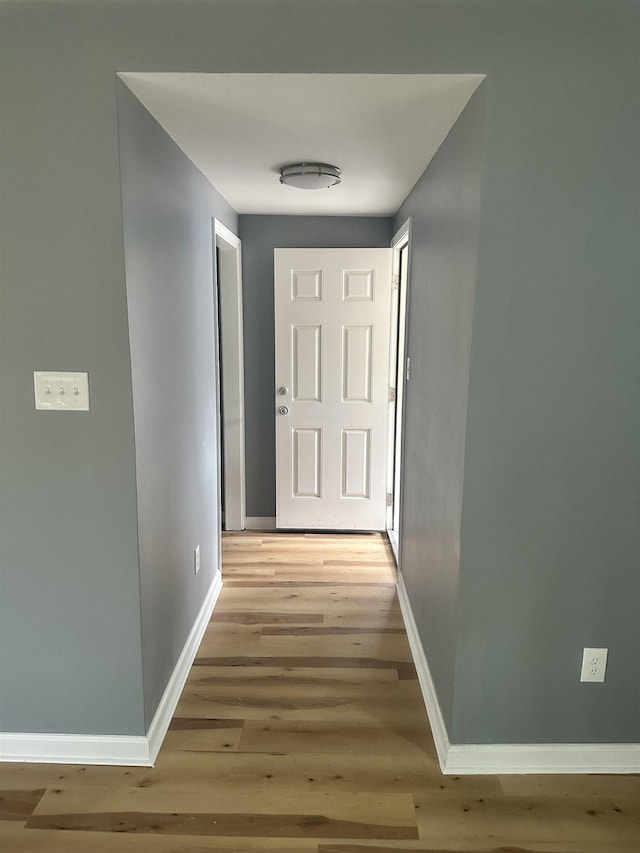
(391, 808)
(377, 646)
(18, 804)
(586, 785)
(219, 812)
(204, 739)
(265, 617)
(324, 630)
(365, 618)
(203, 723)
(405, 669)
(299, 675)
(239, 572)
(304, 699)
(229, 638)
(213, 823)
(360, 848)
(327, 573)
(310, 736)
(18, 840)
(322, 599)
(489, 820)
(271, 562)
(292, 583)
(353, 562)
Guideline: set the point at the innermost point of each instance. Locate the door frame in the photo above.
(227, 274)
(398, 369)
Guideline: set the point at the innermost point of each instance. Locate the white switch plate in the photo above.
(594, 664)
(58, 391)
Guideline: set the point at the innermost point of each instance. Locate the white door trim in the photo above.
(397, 380)
(229, 277)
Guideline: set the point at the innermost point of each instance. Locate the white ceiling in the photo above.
(380, 129)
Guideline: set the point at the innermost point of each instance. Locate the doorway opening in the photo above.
(228, 296)
(399, 365)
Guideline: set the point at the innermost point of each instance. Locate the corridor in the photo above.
(302, 728)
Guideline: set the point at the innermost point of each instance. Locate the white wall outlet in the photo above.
(60, 392)
(196, 559)
(594, 664)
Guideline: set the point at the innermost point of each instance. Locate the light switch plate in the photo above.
(58, 391)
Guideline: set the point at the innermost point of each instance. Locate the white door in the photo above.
(332, 315)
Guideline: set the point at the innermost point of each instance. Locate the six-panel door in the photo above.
(332, 313)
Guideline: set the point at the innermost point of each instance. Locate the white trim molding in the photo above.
(173, 690)
(438, 727)
(124, 750)
(75, 749)
(505, 758)
(228, 275)
(397, 381)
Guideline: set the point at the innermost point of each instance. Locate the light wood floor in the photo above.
(302, 728)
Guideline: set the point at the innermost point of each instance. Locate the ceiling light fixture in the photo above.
(310, 176)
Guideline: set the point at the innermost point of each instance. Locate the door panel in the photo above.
(332, 355)
(306, 463)
(306, 364)
(357, 363)
(356, 463)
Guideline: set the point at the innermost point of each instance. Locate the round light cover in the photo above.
(310, 176)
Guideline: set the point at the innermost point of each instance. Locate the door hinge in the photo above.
(389, 499)
(392, 395)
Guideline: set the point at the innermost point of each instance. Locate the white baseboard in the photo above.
(392, 536)
(259, 522)
(124, 750)
(504, 758)
(551, 758)
(75, 749)
(171, 695)
(438, 727)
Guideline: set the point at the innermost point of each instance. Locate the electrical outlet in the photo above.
(594, 664)
(196, 559)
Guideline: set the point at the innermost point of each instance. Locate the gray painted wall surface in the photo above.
(260, 235)
(168, 208)
(550, 508)
(445, 210)
(70, 658)
(550, 559)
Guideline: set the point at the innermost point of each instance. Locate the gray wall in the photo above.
(168, 207)
(260, 235)
(445, 207)
(550, 507)
(550, 559)
(69, 598)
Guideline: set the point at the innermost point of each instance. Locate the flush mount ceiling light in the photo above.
(310, 176)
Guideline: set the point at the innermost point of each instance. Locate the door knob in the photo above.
(283, 391)
(283, 410)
